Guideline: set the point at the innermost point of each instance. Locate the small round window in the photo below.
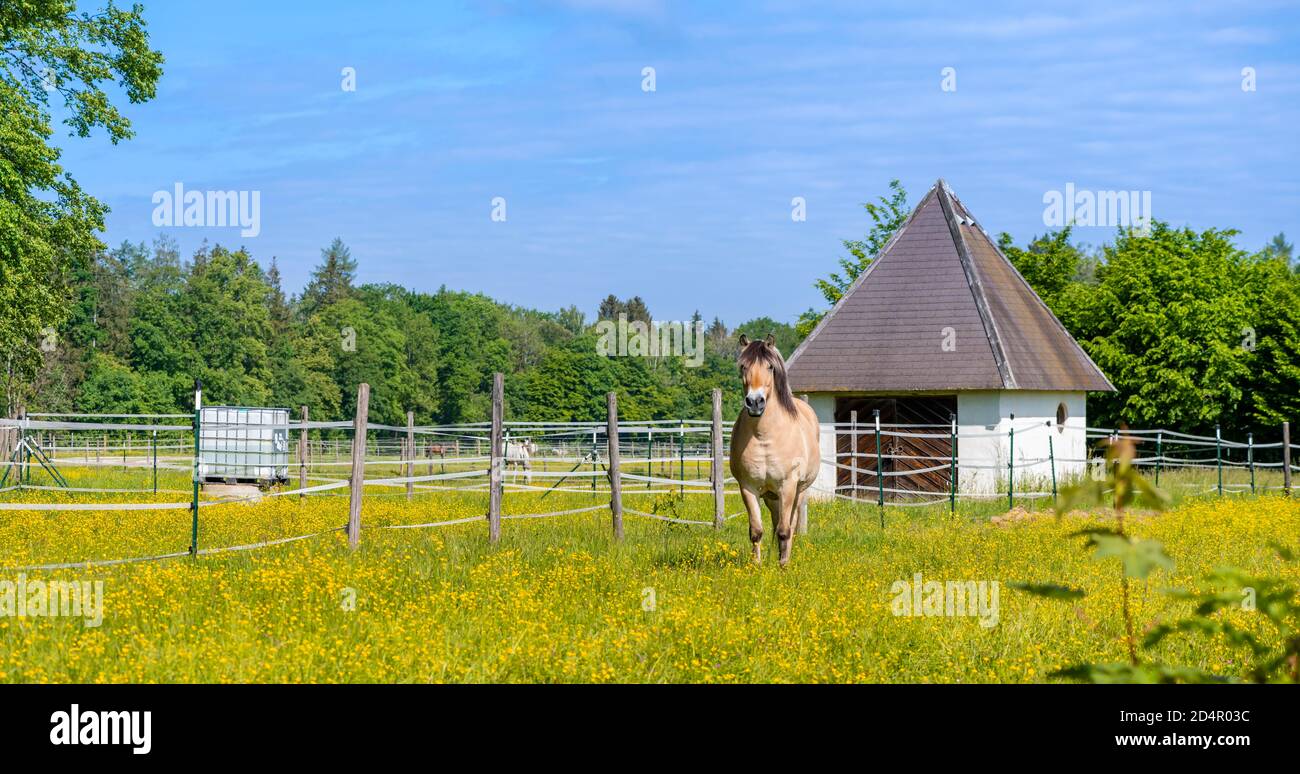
(1061, 415)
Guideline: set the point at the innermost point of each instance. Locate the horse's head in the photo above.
(762, 375)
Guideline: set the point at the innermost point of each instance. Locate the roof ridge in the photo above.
(946, 198)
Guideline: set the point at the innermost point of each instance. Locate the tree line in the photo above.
(143, 324)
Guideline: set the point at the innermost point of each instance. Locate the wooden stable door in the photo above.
(927, 458)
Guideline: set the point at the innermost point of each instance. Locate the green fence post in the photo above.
(1011, 465)
(1160, 436)
(1250, 459)
(1051, 458)
(952, 464)
(649, 455)
(1218, 456)
(154, 447)
(1114, 438)
(196, 469)
(880, 478)
(681, 455)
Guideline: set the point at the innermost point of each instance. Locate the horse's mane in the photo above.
(759, 351)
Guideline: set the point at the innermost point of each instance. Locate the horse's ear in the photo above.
(744, 341)
(770, 340)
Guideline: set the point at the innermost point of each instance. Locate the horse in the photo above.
(775, 450)
(519, 456)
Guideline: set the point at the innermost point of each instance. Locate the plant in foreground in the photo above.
(1123, 488)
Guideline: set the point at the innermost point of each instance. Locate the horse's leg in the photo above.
(755, 522)
(773, 511)
(801, 513)
(787, 505)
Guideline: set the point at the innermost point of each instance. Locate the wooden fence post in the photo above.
(615, 479)
(494, 481)
(410, 453)
(5, 451)
(715, 438)
(357, 483)
(304, 447)
(1286, 458)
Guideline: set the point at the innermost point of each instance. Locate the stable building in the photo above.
(942, 325)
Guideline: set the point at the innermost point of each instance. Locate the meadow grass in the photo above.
(558, 600)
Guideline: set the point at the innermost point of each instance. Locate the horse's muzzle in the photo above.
(754, 405)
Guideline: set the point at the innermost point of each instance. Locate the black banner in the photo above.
(138, 724)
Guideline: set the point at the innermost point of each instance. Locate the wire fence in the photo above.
(1025, 461)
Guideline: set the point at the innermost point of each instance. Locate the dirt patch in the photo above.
(245, 493)
(1021, 515)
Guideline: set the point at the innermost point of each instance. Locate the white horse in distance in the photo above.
(519, 456)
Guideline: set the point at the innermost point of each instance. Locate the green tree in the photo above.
(634, 309)
(1166, 323)
(1279, 247)
(1272, 342)
(1049, 264)
(332, 280)
(787, 338)
(222, 308)
(50, 51)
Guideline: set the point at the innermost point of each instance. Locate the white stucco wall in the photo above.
(983, 447)
(984, 443)
(824, 405)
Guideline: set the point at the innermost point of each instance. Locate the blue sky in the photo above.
(682, 195)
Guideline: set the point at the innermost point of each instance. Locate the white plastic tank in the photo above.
(240, 444)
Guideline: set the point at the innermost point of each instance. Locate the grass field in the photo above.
(557, 600)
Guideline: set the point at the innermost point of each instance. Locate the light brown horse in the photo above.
(775, 454)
